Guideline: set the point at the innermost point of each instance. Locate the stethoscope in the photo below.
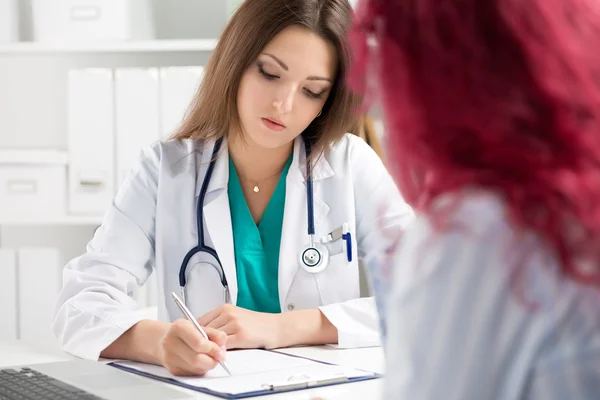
(313, 258)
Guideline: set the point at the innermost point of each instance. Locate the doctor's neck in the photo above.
(255, 162)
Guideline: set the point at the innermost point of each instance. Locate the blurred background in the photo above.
(84, 85)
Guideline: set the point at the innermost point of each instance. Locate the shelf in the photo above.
(66, 220)
(150, 46)
(33, 156)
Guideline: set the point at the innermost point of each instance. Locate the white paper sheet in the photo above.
(252, 369)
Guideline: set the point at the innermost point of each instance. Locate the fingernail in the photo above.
(223, 347)
(221, 356)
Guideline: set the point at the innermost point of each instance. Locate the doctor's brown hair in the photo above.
(213, 111)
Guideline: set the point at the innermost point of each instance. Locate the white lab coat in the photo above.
(151, 225)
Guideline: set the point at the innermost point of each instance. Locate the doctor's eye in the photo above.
(261, 70)
(314, 95)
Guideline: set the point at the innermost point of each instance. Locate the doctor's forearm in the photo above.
(306, 327)
(140, 343)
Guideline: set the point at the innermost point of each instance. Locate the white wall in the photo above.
(190, 18)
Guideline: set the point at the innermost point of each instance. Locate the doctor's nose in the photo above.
(285, 102)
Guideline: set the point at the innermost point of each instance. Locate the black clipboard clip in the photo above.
(303, 381)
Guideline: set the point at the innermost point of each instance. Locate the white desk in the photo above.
(15, 353)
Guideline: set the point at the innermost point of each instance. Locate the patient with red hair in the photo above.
(492, 115)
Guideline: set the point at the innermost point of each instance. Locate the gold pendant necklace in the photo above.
(255, 187)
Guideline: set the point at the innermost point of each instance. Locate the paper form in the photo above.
(252, 369)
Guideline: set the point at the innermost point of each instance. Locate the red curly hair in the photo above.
(502, 95)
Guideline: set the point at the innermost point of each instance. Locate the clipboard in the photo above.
(293, 383)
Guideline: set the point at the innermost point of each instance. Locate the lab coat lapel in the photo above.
(217, 215)
(295, 217)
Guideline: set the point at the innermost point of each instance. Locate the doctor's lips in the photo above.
(273, 124)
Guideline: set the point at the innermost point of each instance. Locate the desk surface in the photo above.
(15, 353)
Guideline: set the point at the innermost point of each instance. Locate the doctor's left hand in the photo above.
(245, 329)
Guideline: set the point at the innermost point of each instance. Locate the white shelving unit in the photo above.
(33, 75)
(66, 220)
(33, 156)
(34, 134)
(150, 46)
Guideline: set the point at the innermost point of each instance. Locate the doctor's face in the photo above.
(285, 88)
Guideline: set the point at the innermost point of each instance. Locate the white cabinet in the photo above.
(8, 295)
(32, 184)
(88, 20)
(39, 279)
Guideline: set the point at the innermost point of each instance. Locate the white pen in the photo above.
(190, 317)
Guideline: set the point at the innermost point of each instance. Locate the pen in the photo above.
(347, 236)
(190, 317)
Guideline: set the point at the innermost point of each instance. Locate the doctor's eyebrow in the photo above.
(286, 68)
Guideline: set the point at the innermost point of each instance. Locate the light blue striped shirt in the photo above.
(479, 311)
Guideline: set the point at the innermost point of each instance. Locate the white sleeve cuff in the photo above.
(92, 335)
(356, 321)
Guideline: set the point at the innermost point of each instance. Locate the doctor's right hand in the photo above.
(185, 352)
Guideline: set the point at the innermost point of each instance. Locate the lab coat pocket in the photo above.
(335, 247)
(204, 290)
(339, 281)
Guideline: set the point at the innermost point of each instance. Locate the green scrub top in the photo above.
(257, 247)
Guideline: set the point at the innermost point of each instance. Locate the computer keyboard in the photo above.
(28, 384)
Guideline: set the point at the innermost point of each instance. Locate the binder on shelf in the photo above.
(90, 140)
(136, 114)
(40, 277)
(178, 85)
(9, 21)
(8, 295)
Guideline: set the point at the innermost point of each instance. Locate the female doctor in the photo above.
(255, 213)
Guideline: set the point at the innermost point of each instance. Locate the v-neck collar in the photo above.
(254, 235)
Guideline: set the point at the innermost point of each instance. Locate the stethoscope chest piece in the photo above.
(314, 258)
